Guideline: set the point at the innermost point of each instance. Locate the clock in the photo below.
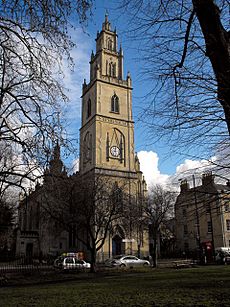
(115, 151)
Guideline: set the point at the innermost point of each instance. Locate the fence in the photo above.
(24, 264)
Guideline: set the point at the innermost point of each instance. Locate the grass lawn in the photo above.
(203, 286)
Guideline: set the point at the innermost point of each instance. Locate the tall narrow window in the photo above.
(110, 44)
(228, 225)
(110, 69)
(89, 108)
(115, 104)
(117, 196)
(209, 226)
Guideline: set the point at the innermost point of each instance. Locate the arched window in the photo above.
(110, 69)
(115, 104)
(87, 148)
(89, 108)
(110, 44)
(117, 196)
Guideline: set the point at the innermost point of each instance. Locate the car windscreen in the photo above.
(117, 257)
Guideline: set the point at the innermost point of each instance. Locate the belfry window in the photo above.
(111, 69)
(115, 104)
(110, 44)
(89, 108)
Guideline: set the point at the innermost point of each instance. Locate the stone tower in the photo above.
(107, 131)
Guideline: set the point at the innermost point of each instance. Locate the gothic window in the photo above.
(228, 225)
(88, 108)
(209, 224)
(117, 197)
(87, 148)
(115, 104)
(110, 68)
(110, 44)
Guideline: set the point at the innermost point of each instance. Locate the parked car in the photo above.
(126, 261)
(70, 263)
(222, 255)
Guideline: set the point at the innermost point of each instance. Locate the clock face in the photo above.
(115, 151)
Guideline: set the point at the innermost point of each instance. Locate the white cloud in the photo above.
(75, 166)
(149, 167)
(197, 166)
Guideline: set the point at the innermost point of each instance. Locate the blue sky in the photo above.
(158, 163)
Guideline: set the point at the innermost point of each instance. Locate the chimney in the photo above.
(184, 186)
(207, 179)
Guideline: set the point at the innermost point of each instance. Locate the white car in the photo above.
(71, 263)
(127, 261)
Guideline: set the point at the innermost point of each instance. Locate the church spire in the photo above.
(56, 164)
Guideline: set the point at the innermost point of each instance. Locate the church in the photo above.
(106, 151)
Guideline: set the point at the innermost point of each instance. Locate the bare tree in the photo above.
(7, 219)
(34, 40)
(101, 204)
(157, 211)
(86, 207)
(184, 49)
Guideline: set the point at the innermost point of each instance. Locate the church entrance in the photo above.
(118, 247)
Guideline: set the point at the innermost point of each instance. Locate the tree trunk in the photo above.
(93, 259)
(217, 41)
(155, 251)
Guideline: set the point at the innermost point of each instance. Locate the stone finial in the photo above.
(121, 51)
(106, 16)
(128, 79)
(137, 163)
(106, 24)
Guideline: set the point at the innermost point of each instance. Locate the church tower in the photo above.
(107, 132)
(107, 137)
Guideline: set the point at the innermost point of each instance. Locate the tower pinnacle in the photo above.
(106, 24)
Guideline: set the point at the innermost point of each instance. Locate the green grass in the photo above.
(205, 286)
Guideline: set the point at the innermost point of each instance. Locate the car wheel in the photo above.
(145, 264)
(122, 265)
